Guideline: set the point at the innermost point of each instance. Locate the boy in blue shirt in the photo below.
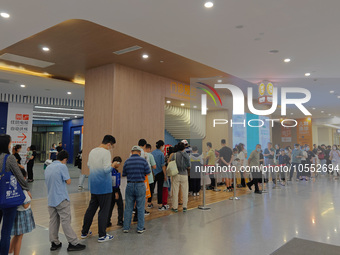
(116, 194)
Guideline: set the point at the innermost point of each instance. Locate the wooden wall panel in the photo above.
(98, 108)
(215, 134)
(139, 99)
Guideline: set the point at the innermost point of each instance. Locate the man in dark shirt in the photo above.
(283, 160)
(226, 157)
(135, 169)
(59, 147)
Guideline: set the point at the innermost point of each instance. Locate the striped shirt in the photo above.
(135, 168)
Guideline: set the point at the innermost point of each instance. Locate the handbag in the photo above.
(147, 187)
(115, 178)
(11, 194)
(172, 169)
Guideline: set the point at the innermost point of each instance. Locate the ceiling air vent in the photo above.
(123, 51)
(25, 60)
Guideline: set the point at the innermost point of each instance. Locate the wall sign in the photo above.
(19, 125)
(265, 93)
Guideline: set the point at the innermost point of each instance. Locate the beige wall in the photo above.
(215, 134)
(276, 136)
(325, 135)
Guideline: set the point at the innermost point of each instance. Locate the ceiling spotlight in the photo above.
(219, 80)
(161, 61)
(145, 56)
(4, 15)
(287, 60)
(332, 91)
(291, 113)
(307, 74)
(168, 102)
(23, 85)
(208, 4)
(338, 96)
(313, 108)
(69, 93)
(45, 49)
(329, 114)
(322, 111)
(182, 104)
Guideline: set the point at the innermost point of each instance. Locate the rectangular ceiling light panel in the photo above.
(25, 60)
(123, 51)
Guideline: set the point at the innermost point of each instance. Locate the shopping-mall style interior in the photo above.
(259, 77)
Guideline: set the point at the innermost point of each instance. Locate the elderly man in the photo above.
(135, 169)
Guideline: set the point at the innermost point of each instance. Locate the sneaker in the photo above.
(125, 231)
(174, 210)
(197, 193)
(185, 209)
(194, 194)
(162, 208)
(120, 223)
(55, 247)
(258, 192)
(134, 211)
(105, 238)
(167, 207)
(78, 247)
(87, 235)
(141, 231)
(80, 188)
(150, 206)
(146, 213)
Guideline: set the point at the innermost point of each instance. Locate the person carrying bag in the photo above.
(12, 184)
(172, 169)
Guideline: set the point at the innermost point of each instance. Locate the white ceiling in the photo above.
(307, 31)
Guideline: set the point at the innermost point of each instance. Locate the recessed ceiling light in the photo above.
(322, 111)
(168, 102)
(195, 106)
(208, 4)
(307, 74)
(313, 108)
(5, 15)
(145, 56)
(329, 114)
(239, 26)
(273, 51)
(69, 93)
(287, 60)
(161, 61)
(219, 80)
(45, 49)
(291, 113)
(332, 91)
(338, 96)
(182, 104)
(23, 85)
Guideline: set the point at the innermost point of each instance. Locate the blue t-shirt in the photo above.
(55, 176)
(135, 168)
(160, 162)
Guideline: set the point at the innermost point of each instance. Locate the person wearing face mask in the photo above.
(310, 159)
(160, 173)
(254, 164)
(296, 161)
(100, 183)
(335, 159)
(302, 175)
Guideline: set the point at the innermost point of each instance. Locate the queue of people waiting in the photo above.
(144, 169)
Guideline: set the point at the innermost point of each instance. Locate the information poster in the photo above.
(19, 125)
(304, 131)
(286, 134)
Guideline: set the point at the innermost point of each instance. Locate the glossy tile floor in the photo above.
(256, 224)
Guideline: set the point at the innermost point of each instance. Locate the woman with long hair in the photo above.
(7, 215)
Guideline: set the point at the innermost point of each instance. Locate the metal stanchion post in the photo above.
(216, 189)
(263, 190)
(203, 207)
(276, 180)
(234, 197)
